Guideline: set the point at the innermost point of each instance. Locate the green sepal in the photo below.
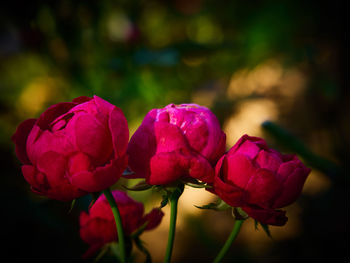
(102, 252)
(140, 245)
(94, 197)
(72, 205)
(141, 186)
(138, 231)
(219, 205)
(239, 214)
(164, 201)
(265, 227)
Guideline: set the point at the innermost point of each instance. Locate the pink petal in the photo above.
(52, 113)
(249, 149)
(141, 148)
(101, 178)
(119, 130)
(153, 218)
(292, 187)
(169, 137)
(239, 169)
(36, 179)
(262, 188)
(81, 99)
(93, 139)
(227, 191)
(267, 216)
(79, 162)
(20, 139)
(201, 169)
(53, 165)
(269, 161)
(167, 167)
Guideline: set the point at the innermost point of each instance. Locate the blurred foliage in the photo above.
(246, 60)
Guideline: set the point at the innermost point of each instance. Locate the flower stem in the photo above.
(118, 222)
(173, 199)
(229, 241)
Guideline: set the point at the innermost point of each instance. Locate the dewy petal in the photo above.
(267, 216)
(64, 192)
(169, 137)
(292, 187)
(102, 177)
(20, 139)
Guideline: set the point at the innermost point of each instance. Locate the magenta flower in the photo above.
(176, 142)
(73, 148)
(97, 227)
(260, 180)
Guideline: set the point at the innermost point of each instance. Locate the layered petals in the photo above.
(73, 148)
(259, 179)
(97, 227)
(176, 142)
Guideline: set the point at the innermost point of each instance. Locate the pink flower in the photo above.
(260, 180)
(98, 228)
(176, 142)
(73, 148)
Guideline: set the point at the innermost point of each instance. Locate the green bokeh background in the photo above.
(141, 55)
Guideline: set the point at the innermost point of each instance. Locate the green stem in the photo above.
(174, 198)
(229, 241)
(118, 222)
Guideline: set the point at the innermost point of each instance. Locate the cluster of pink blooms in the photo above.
(83, 146)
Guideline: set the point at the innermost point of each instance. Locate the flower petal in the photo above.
(267, 216)
(102, 177)
(20, 139)
(292, 187)
(262, 188)
(153, 218)
(119, 130)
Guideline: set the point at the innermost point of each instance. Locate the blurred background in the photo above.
(275, 69)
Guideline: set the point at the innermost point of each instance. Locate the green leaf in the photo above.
(141, 186)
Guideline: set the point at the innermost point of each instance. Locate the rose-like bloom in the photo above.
(98, 228)
(176, 142)
(260, 180)
(73, 148)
